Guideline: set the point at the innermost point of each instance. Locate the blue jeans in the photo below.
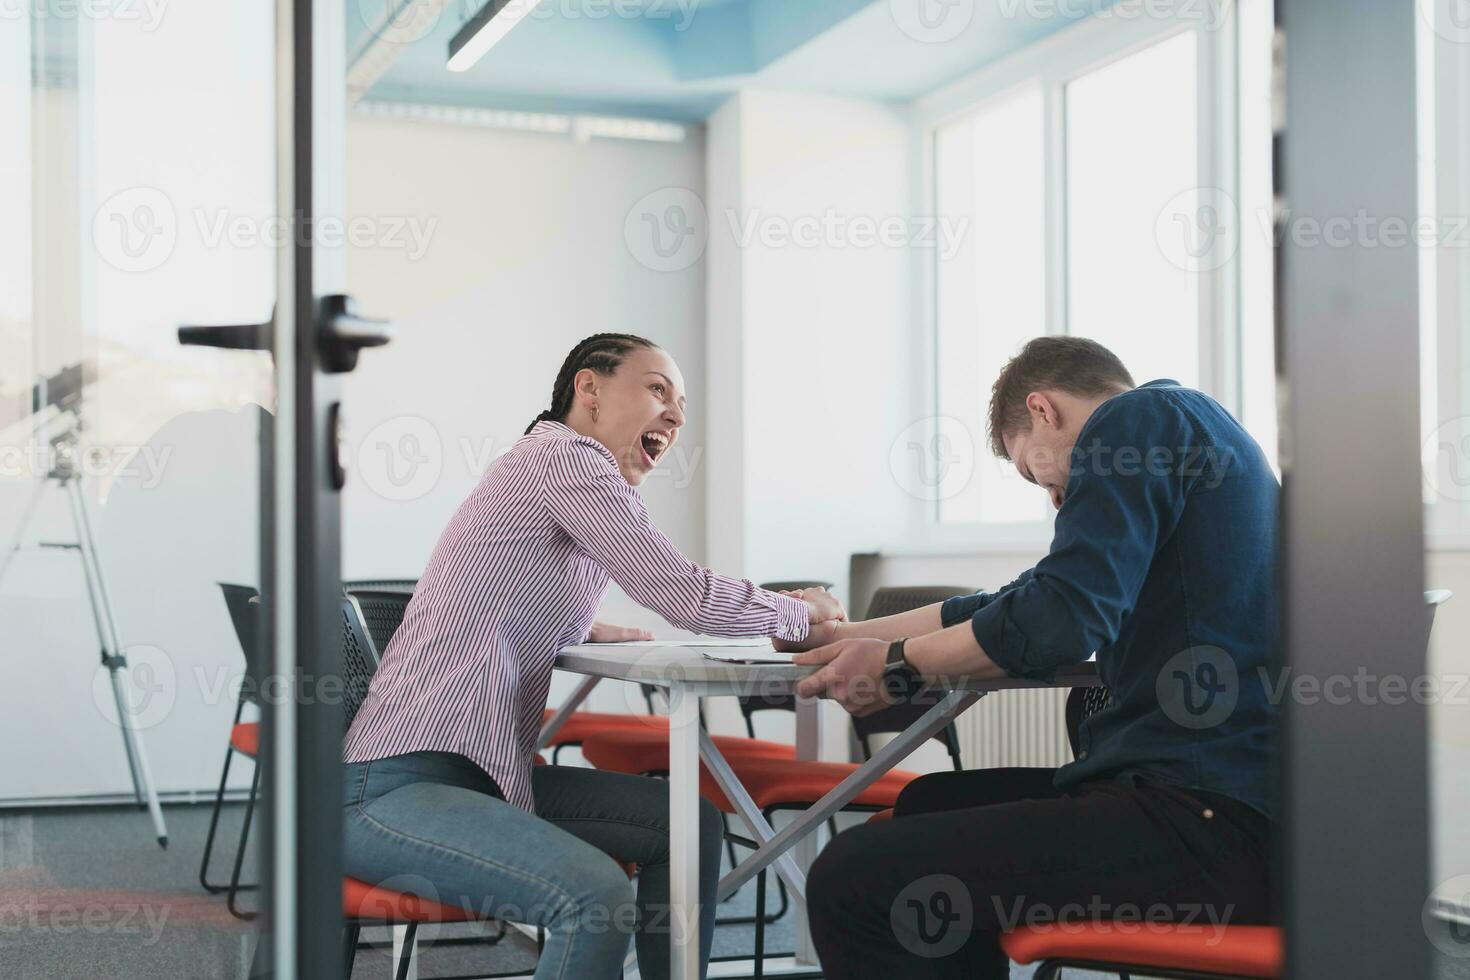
(433, 824)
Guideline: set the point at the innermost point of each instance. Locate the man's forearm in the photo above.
(915, 622)
(950, 653)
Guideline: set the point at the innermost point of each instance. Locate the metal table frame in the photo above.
(689, 677)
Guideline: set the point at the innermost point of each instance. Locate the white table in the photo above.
(688, 677)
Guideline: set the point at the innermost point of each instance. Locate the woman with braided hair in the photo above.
(440, 783)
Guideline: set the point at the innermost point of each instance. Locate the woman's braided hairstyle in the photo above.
(602, 353)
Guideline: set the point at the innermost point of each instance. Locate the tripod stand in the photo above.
(63, 473)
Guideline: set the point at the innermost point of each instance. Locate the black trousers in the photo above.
(969, 855)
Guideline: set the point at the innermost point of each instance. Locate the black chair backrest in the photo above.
(246, 615)
(899, 717)
(795, 585)
(359, 661)
(894, 599)
(382, 613)
(1082, 704)
(380, 585)
(890, 601)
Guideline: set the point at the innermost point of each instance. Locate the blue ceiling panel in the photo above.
(680, 59)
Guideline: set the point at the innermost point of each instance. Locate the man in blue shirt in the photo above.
(1163, 564)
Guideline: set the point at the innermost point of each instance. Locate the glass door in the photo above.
(171, 330)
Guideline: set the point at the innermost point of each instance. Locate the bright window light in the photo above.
(1132, 157)
(991, 293)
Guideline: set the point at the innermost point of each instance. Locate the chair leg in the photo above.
(729, 844)
(745, 920)
(349, 949)
(760, 924)
(785, 901)
(406, 960)
(240, 852)
(219, 802)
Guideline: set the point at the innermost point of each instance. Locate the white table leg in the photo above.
(684, 832)
(808, 748)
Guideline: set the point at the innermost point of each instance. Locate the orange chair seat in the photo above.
(638, 751)
(581, 724)
(1235, 951)
(881, 815)
(245, 738)
(778, 782)
(768, 770)
(363, 901)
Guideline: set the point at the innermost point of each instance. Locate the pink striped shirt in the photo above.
(517, 575)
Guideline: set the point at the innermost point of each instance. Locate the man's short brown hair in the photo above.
(1075, 365)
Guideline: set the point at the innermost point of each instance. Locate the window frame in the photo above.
(1446, 521)
(1051, 64)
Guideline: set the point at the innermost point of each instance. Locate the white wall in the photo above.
(818, 321)
(521, 253)
(810, 331)
(528, 255)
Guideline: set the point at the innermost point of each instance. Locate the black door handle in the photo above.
(234, 336)
(341, 334)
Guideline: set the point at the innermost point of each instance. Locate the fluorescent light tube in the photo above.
(481, 32)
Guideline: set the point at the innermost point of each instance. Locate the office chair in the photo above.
(380, 585)
(241, 601)
(890, 601)
(383, 612)
(1255, 952)
(243, 605)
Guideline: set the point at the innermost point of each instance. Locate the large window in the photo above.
(1086, 177)
(1136, 219)
(991, 292)
(1443, 238)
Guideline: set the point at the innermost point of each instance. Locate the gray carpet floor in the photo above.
(86, 894)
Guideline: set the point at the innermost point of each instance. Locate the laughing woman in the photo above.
(439, 781)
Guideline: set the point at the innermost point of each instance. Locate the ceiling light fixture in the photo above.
(481, 32)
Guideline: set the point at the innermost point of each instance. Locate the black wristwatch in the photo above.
(899, 676)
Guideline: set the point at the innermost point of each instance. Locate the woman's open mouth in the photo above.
(654, 444)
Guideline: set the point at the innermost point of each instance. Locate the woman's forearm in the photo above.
(915, 622)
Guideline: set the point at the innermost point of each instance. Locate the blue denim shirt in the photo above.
(1163, 562)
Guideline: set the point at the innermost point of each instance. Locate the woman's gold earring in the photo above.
(594, 413)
